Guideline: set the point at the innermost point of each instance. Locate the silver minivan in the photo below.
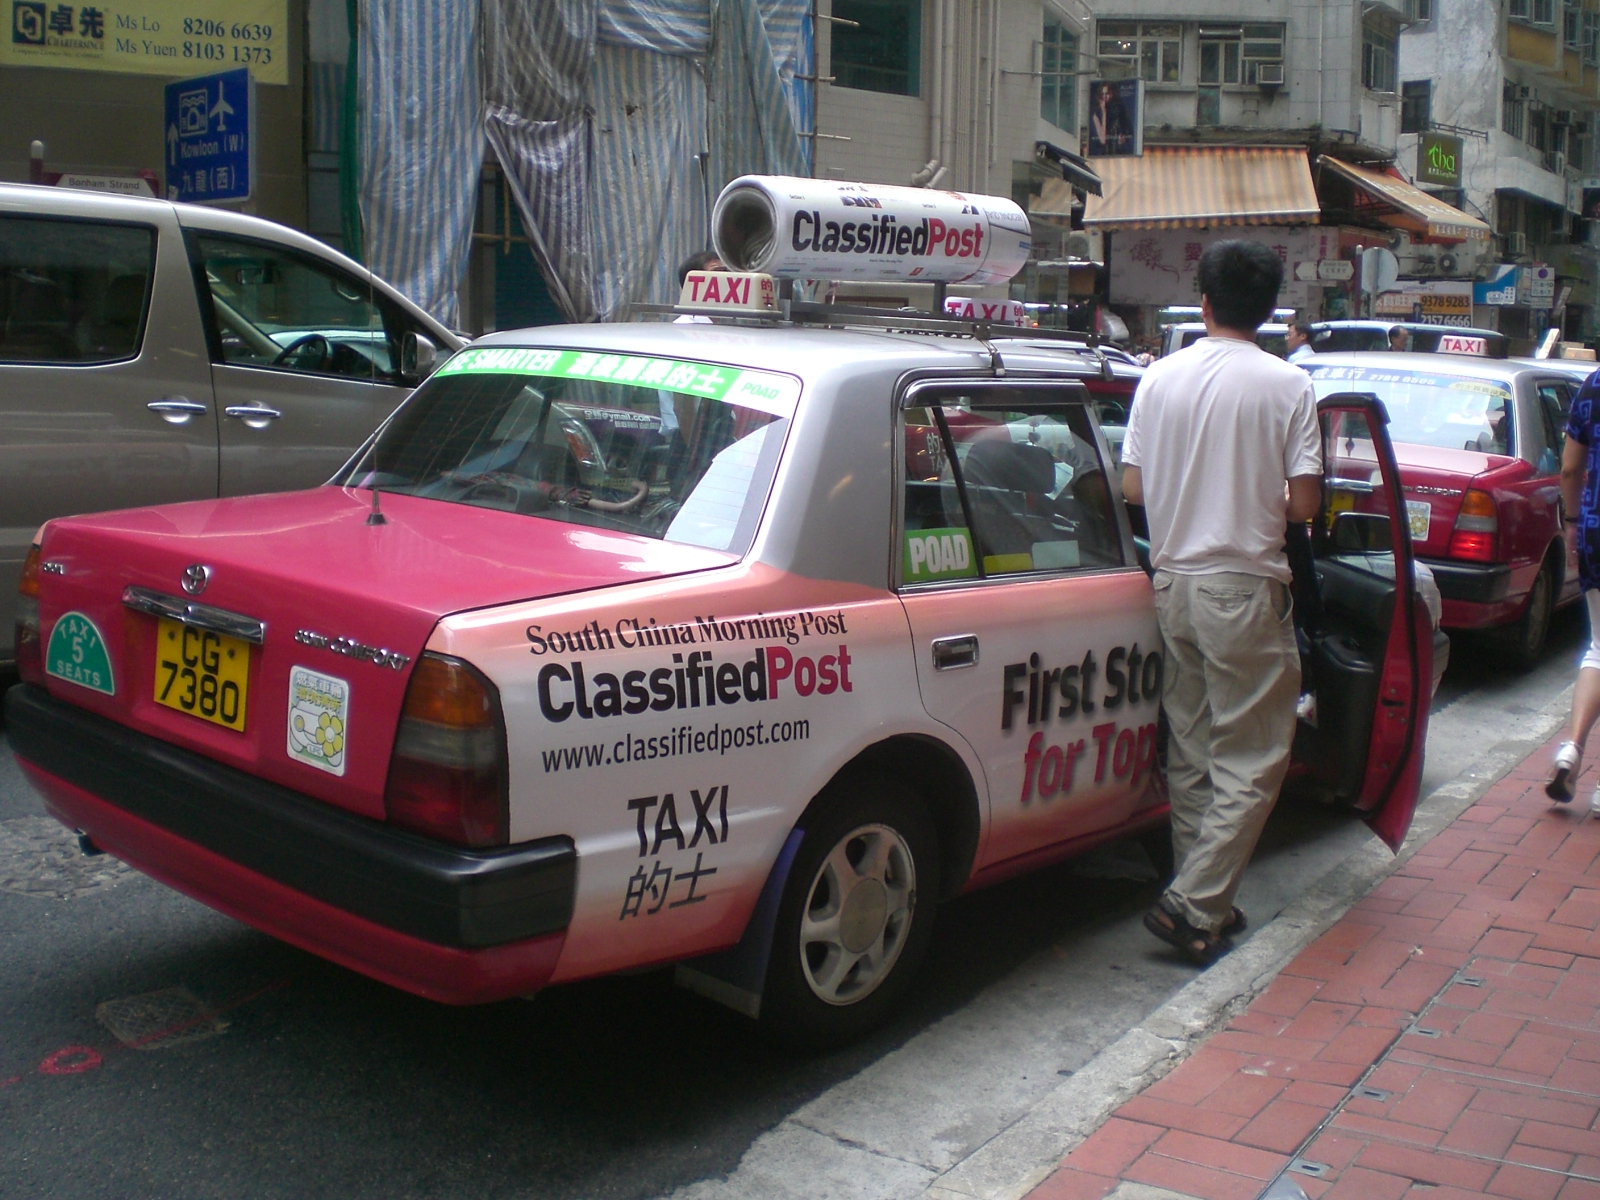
(153, 352)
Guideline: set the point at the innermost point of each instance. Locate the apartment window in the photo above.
(1416, 105)
(1513, 112)
(1058, 79)
(883, 52)
(1419, 11)
(1572, 26)
(1540, 12)
(1538, 128)
(1150, 50)
(1591, 38)
(1233, 53)
(1380, 50)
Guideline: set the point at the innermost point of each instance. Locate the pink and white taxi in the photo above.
(738, 646)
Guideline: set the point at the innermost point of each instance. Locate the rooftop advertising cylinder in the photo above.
(817, 229)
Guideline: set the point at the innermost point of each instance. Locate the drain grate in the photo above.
(41, 857)
(1304, 1166)
(1370, 1093)
(157, 1020)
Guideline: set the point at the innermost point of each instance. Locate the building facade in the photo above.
(1514, 86)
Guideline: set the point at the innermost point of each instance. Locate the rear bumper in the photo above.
(454, 925)
(1469, 582)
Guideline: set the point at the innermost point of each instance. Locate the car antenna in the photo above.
(376, 517)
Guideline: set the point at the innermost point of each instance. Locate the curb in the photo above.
(1020, 1157)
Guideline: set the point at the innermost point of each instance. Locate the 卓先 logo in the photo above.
(27, 23)
(195, 578)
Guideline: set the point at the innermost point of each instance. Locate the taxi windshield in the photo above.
(1430, 409)
(673, 450)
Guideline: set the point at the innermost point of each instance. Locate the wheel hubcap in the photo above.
(858, 913)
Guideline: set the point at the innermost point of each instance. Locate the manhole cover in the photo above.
(39, 856)
(157, 1020)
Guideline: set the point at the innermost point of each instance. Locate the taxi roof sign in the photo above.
(728, 291)
(1454, 343)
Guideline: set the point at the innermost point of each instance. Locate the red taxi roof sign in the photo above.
(1455, 343)
(1004, 312)
(728, 291)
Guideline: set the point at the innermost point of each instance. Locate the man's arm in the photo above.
(1133, 485)
(1305, 497)
(1574, 461)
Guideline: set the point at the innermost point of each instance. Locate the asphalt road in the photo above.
(300, 1079)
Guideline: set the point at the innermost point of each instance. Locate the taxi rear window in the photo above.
(663, 448)
(1427, 408)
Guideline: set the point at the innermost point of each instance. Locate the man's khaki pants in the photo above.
(1232, 676)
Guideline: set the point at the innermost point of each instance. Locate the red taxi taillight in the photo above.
(447, 776)
(30, 654)
(1476, 536)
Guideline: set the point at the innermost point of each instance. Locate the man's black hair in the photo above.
(1302, 327)
(1241, 279)
(695, 262)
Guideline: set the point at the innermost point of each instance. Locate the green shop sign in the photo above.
(1439, 159)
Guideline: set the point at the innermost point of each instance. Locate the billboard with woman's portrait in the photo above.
(1116, 117)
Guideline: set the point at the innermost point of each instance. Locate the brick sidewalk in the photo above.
(1441, 1041)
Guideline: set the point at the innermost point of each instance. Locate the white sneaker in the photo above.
(1564, 772)
(1594, 801)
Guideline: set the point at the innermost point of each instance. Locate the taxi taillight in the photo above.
(1476, 536)
(447, 775)
(29, 652)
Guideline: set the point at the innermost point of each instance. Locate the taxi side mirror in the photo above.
(418, 357)
(1362, 533)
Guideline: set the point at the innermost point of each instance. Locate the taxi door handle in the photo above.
(254, 415)
(952, 653)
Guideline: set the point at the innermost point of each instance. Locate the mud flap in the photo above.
(736, 976)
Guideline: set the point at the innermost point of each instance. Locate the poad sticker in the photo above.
(77, 653)
(319, 719)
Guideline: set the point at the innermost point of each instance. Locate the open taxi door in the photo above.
(1366, 637)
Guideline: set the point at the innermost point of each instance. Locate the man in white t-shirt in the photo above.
(1223, 450)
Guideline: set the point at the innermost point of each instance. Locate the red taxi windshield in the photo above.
(678, 451)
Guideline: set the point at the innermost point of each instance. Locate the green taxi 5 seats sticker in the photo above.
(765, 391)
(932, 554)
(77, 653)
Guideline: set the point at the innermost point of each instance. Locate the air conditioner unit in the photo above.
(1269, 74)
(1555, 160)
(1078, 245)
(1516, 244)
(1422, 265)
(1563, 116)
(1447, 264)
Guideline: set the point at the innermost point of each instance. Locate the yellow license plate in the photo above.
(202, 673)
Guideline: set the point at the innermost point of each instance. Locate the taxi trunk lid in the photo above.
(337, 597)
(1434, 481)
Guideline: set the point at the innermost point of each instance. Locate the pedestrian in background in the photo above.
(1399, 339)
(1223, 450)
(1580, 510)
(1299, 341)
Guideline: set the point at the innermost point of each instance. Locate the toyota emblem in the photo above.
(195, 578)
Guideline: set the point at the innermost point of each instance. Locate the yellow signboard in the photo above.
(175, 38)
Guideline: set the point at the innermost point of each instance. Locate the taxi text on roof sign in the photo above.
(727, 291)
(766, 391)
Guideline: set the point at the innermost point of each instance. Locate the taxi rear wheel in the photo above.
(1523, 640)
(856, 915)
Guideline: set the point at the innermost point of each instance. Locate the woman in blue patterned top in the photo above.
(1580, 507)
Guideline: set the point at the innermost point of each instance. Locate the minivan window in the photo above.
(73, 291)
(277, 308)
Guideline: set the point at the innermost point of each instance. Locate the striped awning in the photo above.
(1183, 187)
(1394, 202)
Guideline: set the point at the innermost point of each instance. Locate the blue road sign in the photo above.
(210, 135)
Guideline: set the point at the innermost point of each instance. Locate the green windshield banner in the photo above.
(761, 390)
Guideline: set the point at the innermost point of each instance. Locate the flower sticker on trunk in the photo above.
(319, 720)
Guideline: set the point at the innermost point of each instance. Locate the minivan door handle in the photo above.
(257, 416)
(953, 653)
(177, 410)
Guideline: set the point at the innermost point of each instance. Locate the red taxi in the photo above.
(737, 646)
(1479, 446)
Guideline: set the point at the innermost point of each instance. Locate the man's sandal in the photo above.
(1199, 946)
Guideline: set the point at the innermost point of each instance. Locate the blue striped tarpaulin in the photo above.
(421, 146)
